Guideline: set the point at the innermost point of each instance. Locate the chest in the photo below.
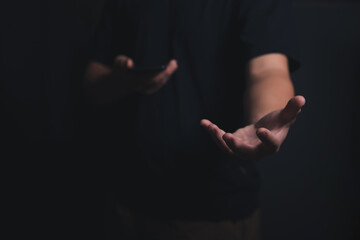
(194, 17)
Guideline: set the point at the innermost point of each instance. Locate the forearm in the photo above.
(267, 92)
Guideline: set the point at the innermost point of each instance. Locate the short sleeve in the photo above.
(103, 48)
(267, 26)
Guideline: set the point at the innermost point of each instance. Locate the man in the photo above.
(183, 141)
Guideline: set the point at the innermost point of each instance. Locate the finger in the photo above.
(205, 123)
(217, 135)
(124, 61)
(121, 60)
(292, 109)
(238, 148)
(149, 87)
(129, 63)
(162, 78)
(269, 142)
(170, 69)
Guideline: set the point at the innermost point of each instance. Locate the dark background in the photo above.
(311, 189)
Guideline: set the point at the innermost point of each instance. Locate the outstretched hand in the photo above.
(258, 140)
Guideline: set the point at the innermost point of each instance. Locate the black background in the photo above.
(311, 189)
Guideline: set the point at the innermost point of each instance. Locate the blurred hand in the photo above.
(144, 84)
(258, 140)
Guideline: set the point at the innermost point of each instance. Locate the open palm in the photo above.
(260, 139)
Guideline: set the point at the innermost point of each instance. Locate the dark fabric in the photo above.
(132, 226)
(163, 162)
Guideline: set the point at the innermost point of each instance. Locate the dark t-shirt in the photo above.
(163, 161)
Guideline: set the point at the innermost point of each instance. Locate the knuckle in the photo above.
(120, 59)
(233, 143)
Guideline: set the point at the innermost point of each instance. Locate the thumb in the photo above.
(170, 69)
(292, 109)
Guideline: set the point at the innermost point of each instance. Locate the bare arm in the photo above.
(269, 86)
(271, 108)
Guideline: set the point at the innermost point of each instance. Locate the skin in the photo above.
(270, 103)
(105, 85)
(271, 108)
